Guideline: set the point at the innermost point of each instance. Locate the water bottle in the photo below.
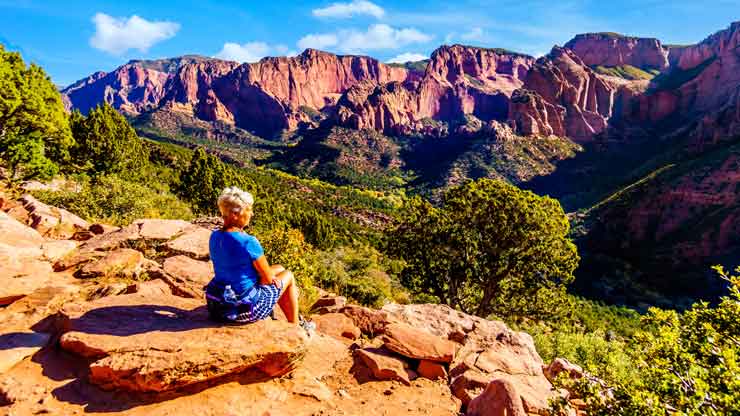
(229, 295)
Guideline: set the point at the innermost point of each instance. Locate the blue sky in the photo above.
(72, 39)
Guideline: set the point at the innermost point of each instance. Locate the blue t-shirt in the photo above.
(232, 254)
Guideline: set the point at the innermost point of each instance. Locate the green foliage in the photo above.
(113, 200)
(360, 273)
(205, 178)
(490, 248)
(628, 72)
(414, 66)
(34, 132)
(106, 143)
(26, 158)
(688, 365)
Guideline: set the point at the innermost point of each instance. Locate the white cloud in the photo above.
(318, 41)
(252, 51)
(378, 36)
(407, 57)
(118, 35)
(475, 33)
(248, 52)
(347, 10)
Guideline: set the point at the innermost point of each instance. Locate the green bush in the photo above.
(110, 199)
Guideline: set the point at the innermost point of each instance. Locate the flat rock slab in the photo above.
(15, 346)
(192, 243)
(413, 343)
(153, 343)
(187, 276)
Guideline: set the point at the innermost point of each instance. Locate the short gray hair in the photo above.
(234, 200)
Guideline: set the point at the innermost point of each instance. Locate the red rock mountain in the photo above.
(559, 94)
(264, 97)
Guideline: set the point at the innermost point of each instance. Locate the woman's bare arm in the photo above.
(267, 272)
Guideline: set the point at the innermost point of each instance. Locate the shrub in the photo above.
(112, 200)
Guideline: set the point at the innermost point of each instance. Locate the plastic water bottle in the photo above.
(229, 295)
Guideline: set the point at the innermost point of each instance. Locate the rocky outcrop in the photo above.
(613, 49)
(565, 96)
(459, 80)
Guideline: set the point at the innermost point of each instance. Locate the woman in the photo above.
(245, 287)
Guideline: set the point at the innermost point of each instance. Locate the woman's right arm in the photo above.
(266, 273)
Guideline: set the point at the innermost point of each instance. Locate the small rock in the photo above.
(122, 262)
(413, 343)
(559, 365)
(370, 321)
(336, 325)
(328, 304)
(432, 370)
(383, 365)
(500, 398)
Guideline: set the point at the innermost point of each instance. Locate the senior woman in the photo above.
(245, 287)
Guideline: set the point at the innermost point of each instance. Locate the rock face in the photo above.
(613, 49)
(458, 80)
(564, 96)
(264, 97)
(500, 398)
(157, 343)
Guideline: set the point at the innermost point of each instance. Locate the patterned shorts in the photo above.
(257, 306)
(262, 305)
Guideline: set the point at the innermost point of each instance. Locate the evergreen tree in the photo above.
(106, 142)
(205, 178)
(490, 248)
(34, 132)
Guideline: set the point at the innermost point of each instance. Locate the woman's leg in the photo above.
(289, 296)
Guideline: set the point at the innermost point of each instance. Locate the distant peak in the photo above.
(499, 51)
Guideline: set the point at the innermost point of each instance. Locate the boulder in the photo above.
(413, 343)
(122, 262)
(468, 385)
(192, 243)
(153, 343)
(500, 398)
(370, 321)
(328, 304)
(336, 325)
(432, 370)
(560, 365)
(156, 229)
(187, 276)
(384, 365)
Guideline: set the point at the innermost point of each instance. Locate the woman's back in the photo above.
(232, 254)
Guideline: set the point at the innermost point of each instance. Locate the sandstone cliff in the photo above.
(264, 97)
(613, 49)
